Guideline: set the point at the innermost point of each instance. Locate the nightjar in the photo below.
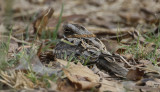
(82, 45)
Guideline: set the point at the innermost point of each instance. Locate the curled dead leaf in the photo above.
(82, 77)
(41, 22)
(65, 85)
(135, 75)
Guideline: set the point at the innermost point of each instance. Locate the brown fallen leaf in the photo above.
(41, 22)
(135, 75)
(82, 80)
(111, 86)
(111, 45)
(81, 76)
(65, 85)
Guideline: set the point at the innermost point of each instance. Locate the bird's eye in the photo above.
(67, 30)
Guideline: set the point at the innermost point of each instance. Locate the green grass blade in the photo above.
(57, 26)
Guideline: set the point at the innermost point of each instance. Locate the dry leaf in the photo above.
(82, 77)
(65, 85)
(42, 21)
(135, 75)
(111, 45)
(111, 86)
(16, 80)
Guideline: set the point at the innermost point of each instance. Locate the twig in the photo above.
(17, 40)
(125, 61)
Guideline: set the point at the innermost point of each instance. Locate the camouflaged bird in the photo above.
(82, 45)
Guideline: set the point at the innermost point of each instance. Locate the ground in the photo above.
(30, 30)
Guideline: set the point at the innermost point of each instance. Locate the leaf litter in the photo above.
(127, 31)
